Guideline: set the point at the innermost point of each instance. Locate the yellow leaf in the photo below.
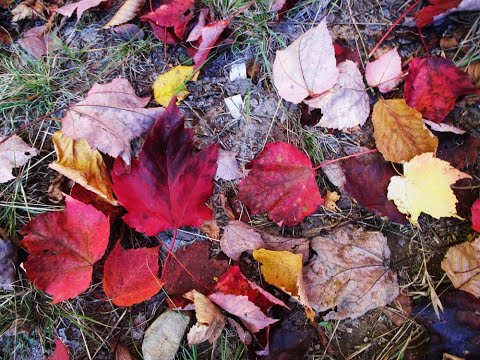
(126, 13)
(80, 163)
(425, 187)
(283, 269)
(173, 83)
(399, 131)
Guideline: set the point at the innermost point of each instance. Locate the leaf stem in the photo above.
(169, 254)
(344, 158)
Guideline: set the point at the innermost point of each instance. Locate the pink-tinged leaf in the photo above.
(196, 32)
(443, 127)
(432, 86)
(79, 6)
(36, 42)
(281, 182)
(130, 276)
(60, 352)
(63, 247)
(167, 187)
(476, 216)
(208, 39)
(250, 315)
(386, 72)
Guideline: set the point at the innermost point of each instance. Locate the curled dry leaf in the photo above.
(110, 117)
(8, 260)
(131, 276)
(80, 6)
(462, 265)
(443, 127)
(307, 67)
(30, 9)
(168, 330)
(425, 187)
(227, 168)
(126, 13)
(282, 182)
(399, 131)
(346, 105)
(210, 320)
(79, 162)
(63, 247)
(239, 237)
(14, 153)
(385, 72)
(350, 272)
(60, 352)
(173, 83)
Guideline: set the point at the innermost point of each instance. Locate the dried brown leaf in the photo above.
(30, 9)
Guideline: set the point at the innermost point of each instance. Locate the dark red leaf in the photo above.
(130, 276)
(63, 247)
(201, 272)
(281, 182)
(476, 216)
(426, 15)
(60, 352)
(90, 198)
(432, 86)
(461, 151)
(343, 53)
(289, 341)
(167, 186)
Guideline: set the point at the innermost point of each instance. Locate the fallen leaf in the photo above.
(36, 42)
(443, 127)
(79, 162)
(210, 320)
(209, 38)
(90, 198)
(426, 15)
(196, 261)
(399, 131)
(425, 187)
(8, 260)
(14, 153)
(459, 151)
(476, 215)
(5, 37)
(127, 12)
(289, 341)
(167, 186)
(211, 229)
(432, 86)
(80, 6)
(60, 352)
(173, 83)
(350, 273)
(30, 9)
(168, 330)
(244, 336)
(385, 72)
(227, 168)
(456, 330)
(122, 353)
(281, 182)
(473, 71)
(129, 32)
(239, 237)
(204, 17)
(170, 20)
(110, 117)
(331, 201)
(343, 53)
(63, 247)
(307, 67)
(130, 276)
(347, 104)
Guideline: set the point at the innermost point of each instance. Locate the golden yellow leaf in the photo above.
(126, 13)
(425, 187)
(80, 163)
(399, 131)
(173, 83)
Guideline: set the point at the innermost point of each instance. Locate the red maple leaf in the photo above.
(170, 20)
(60, 352)
(130, 276)
(210, 35)
(476, 216)
(282, 182)
(433, 85)
(426, 15)
(63, 247)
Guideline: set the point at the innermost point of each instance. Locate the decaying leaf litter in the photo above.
(412, 256)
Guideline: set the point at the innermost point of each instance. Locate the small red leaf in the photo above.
(130, 276)
(426, 15)
(433, 85)
(167, 186)
(209, 38)
(282, 182)
(60, 352)
(476, 216)
(63, 247)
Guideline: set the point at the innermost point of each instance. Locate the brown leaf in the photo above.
(126, 13)
(210, 227)
(400, 133)
(29, 9)
(8, 259)
(349, 272)
(36, 42)
(473, 71)
(122, 353)
(110, 117)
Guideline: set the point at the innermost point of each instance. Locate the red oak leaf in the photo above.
(476, 216)
(192, 268)
(170, 20)
(60, 352)
(282, 182)
(130, 276)
(426, 15)
(167, 186)
(63, 247)
(433, 85)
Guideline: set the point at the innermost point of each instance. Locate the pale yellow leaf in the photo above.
(126, 13)
(173, 83)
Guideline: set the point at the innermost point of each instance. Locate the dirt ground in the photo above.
(92, 327)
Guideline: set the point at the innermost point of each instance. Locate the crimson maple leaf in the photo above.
(167, 187)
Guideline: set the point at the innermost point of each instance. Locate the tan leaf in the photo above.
(80, 6)
(14, 153)
(80, 163)
(210, 320)
(350, 272)
(462, 265)
(110, 117)
(126, 13)
(29, 9)
(399, 131)
(227, 168)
